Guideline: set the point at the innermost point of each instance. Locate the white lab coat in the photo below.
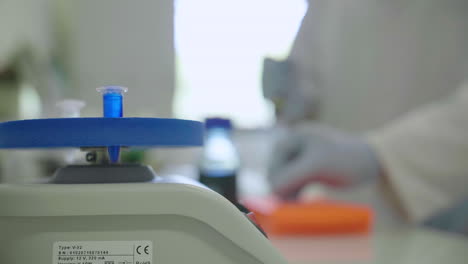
(358, 54)
(373, 61)
(425, 155)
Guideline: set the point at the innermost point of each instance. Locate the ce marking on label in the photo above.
(140, 250)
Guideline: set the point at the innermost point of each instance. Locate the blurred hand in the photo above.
(319, 154)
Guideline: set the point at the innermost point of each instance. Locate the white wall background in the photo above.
(120, 42)
(220, 47)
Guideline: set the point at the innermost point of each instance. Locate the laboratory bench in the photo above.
(395, 246)
(387, 243)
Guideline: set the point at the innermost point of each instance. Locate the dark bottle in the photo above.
(219, 162)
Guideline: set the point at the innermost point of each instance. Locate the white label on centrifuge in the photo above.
(103, 252)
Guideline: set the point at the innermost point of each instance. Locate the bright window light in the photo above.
(220, 46)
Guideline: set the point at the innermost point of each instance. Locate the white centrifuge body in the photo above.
(126, 223)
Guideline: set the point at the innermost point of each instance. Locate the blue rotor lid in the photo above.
(217, 122)
(100, 132)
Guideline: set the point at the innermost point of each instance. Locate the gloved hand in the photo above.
(317, 153)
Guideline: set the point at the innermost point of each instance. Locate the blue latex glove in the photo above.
(454, 219)
(317, 153)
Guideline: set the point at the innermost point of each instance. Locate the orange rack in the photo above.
(318, 217)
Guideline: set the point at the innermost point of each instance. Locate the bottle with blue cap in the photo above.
(219, 163)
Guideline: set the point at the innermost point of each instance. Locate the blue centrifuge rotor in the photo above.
(111, 131)
(100, 132)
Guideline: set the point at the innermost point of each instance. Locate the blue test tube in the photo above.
(112, 98)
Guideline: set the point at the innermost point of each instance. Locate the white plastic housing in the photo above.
(186, 223)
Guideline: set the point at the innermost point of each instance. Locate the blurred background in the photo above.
(197, 59)
(183, 59)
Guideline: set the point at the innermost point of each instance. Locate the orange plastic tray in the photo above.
(320, 217)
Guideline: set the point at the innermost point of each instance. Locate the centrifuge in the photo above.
(107, 212)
